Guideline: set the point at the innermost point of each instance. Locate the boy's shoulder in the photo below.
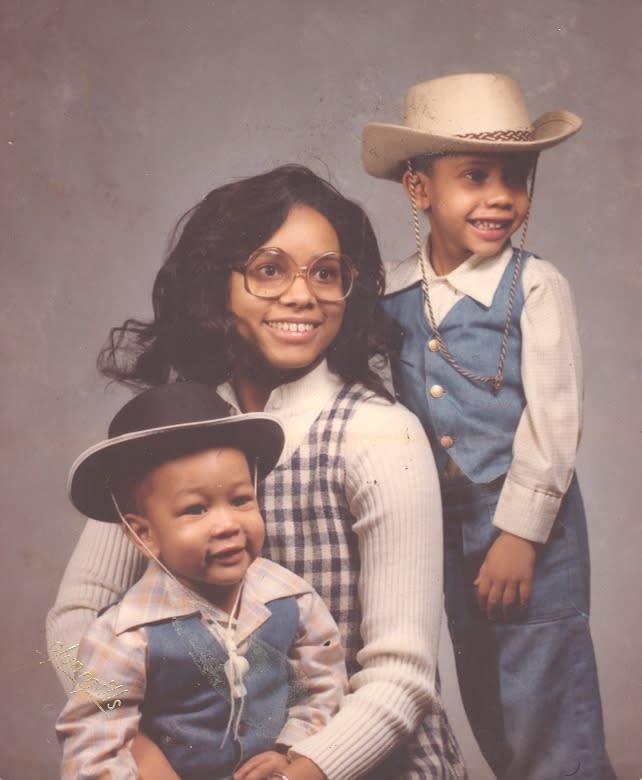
(272, 581)
(154, 597)
(538, 271)
(401, 274)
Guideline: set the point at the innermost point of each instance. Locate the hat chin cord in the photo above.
(236, 666)
(497, 380)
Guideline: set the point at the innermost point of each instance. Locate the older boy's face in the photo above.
(475, 203)
(203, 521)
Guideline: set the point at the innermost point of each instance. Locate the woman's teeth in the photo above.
(293, 327)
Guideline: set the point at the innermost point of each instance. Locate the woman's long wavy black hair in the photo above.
(193, 336)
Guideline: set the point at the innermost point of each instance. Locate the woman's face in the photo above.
(294, 331)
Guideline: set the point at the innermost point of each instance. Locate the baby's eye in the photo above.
(243, 499)
(194, 509)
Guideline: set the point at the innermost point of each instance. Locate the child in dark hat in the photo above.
(219, 656)
(491, 365)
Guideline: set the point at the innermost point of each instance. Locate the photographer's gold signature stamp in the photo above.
(106, 695)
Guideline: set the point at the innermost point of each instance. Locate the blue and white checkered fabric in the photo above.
(314, 539)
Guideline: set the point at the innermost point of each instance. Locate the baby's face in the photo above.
(203, 521)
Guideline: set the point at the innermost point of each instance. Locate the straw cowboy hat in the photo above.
(482, 112)
(161, 424)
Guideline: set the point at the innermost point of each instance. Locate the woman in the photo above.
(271, 293)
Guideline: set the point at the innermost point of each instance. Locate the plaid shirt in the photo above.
(103, 712)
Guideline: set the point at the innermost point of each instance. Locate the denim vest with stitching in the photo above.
(187, 702)
(465, 420)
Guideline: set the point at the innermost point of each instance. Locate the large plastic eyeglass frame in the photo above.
(297, 271)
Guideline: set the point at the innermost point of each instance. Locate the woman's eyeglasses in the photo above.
(270, 272)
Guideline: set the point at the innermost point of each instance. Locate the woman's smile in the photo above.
(289, 327)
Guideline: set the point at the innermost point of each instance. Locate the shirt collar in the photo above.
(157, 597)
(477, 277)
(154, 597)
(309, 392)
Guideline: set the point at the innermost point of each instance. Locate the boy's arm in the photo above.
(545, 442)
(102, 714)
(548, 433)
(103, 565)
(319, 662)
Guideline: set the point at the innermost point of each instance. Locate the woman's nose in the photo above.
(298, 292)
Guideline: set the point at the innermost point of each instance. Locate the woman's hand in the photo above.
(505, 578)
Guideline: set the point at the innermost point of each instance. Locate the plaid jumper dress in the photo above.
(314, 538)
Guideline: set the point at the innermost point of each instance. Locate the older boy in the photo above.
(491, 365)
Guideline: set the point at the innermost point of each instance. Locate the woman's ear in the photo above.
(421, 193)
(141, 534)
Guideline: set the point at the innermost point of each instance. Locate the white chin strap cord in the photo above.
(236, 666)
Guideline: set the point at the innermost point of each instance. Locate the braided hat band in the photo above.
(499, 135)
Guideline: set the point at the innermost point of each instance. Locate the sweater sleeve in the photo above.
(393, 492)
(102, 566)
(547, 437)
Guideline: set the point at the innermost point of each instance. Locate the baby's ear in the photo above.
(421, 188)
(141, 534)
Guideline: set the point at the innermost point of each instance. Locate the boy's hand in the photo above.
(260, 766)
(505, 577)
(150, 760)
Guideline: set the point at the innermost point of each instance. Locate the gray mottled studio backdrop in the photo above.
(117, 116)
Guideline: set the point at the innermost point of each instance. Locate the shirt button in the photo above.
(433, 345)
(436, 391)
(446, 441)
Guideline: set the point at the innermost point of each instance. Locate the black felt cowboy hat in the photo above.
(160, 424)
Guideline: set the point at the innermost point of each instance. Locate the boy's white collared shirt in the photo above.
(477, 277)
(548, 434)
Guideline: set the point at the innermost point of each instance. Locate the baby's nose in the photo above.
(224, 523)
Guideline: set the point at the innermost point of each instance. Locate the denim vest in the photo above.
(187, 702)
(465, 420)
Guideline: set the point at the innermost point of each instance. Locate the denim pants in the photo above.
(530, 686)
